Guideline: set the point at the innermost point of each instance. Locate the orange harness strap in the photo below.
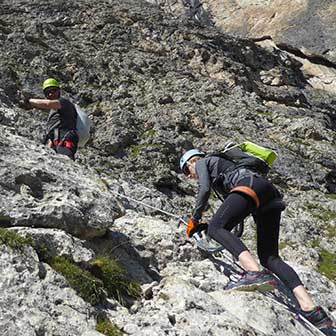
(249, 192)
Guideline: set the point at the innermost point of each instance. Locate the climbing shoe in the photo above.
(318, 317)
(331, 331)
(250, 281)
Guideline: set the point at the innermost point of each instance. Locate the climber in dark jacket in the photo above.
(246, 192)
(61, 132)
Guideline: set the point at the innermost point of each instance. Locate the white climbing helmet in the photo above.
(187, 156)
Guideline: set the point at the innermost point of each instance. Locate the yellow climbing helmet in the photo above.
(50, 82)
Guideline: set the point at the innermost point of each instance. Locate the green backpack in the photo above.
(249, 155)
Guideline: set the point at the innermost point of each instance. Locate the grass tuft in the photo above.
(115, 279)
(327, 265)
(83, 282)
(14, 240)
(107, 328)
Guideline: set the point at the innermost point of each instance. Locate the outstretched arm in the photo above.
(204, 189)
(45, 104)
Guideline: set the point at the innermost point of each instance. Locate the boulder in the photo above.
(46, 190)
(35, 300)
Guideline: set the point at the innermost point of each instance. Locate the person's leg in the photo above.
(248, 262)
(268, 251)
(305, 301)
(233, 210)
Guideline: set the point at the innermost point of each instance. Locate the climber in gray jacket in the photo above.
(246, 192)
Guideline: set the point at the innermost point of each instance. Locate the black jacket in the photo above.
(64, 118)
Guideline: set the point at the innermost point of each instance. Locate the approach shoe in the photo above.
(331, 331)
(319, 318)
(250, 281)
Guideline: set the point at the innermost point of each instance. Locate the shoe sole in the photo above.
(328, 325)
(331, 331)
(263, 287)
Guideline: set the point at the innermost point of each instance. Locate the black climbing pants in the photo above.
(238, 206)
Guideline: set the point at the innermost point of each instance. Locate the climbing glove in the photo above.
(192, 226)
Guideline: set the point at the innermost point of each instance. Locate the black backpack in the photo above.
(243, 158)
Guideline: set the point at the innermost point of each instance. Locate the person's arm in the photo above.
(45, 104)
(204, 189)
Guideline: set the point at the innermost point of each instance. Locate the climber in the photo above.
(61, 132)
(246, 192)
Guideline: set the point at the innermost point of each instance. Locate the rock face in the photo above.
(154, 83)
(55, 194)
(187, 297)
(57, 243)
(304, 24)
(304, 29)
(35, 300)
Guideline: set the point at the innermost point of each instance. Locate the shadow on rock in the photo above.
(140, 264)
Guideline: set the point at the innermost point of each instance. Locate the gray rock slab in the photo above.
(42, 189)
(57, 243)
(35, 300)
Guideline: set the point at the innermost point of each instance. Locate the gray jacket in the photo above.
(218, 174)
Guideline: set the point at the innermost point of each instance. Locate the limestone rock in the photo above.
(55, 194)
(303, 24)
(36, 300)
(57, 243)
(156, 82)
(188, 296)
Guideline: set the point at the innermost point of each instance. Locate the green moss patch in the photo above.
(114, 277)
(327, 264)
(101, 278)
(315, 243)
(136, 150)
(13, 239)
(83, 282)
(107, 328)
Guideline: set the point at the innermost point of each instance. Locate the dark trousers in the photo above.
(234, 209)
